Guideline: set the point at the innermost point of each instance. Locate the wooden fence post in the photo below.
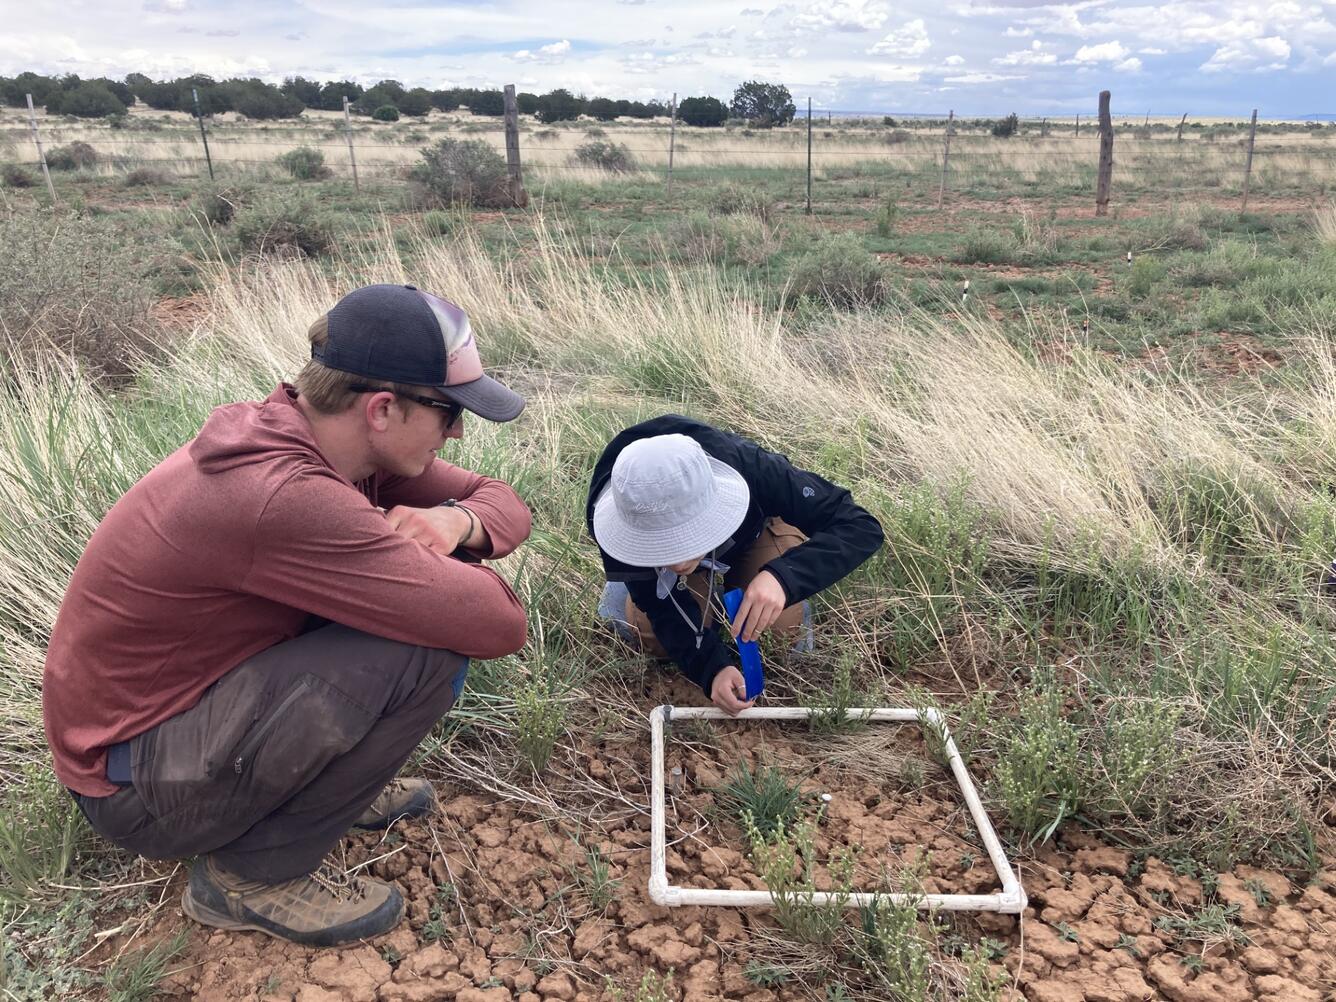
(1078, 125)
(348, 134)
(672, 140)
(946, 155)
(1105, 156)
(1180, 126)
(199, 116)
(518, 196)
(41, 154)
(1247, 169)
(809, 156)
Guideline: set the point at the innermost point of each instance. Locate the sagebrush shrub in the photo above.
(218, 204)
(840, 270)
(143, 177)
(611, 157)
(305, 164)
(73, 156)
(283, 226)
(461, 171)
(15, 176)
(74, 285)
(735, 199)
(386, 113)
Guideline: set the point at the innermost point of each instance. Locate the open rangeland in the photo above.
(1103, 450)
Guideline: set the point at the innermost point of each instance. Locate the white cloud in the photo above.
(796, 52)
(1132, 65)
(553, 53)
(1105, 52)
(1153, 52)
(954, 60)
(842, 15)
(1014, 32)
(1033, 56)
(980, 78)
(910, 40)
(1259, 55)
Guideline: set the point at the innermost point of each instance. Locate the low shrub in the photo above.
(15, 176)
(73, 285)
(71, 157)
(980, 246)
(386, 113)
(217, 205)
(461, 171)
(283, 226)
(840, 270)
(734, 199)
(145, 177)
(611, 157)
(304, 163)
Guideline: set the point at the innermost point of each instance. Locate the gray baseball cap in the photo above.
(668, 501)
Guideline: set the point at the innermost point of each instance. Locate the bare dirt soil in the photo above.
(502, 905)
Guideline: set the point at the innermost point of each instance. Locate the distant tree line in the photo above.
(760, 104)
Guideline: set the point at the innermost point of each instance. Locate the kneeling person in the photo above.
(264, 627)
(675, 502)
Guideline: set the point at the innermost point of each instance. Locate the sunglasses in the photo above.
(452, 409)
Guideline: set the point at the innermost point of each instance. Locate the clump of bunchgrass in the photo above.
(763, 800)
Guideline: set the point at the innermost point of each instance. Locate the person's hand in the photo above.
(440, 529)
(762, 603)
(728, 691)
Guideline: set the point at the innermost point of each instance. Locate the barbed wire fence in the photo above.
(938, 154)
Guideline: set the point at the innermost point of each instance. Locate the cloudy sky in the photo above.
(1205, 57)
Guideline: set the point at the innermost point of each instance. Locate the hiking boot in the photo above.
(403, 798)
(323, 908)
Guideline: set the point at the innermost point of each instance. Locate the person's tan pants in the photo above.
(776, 537)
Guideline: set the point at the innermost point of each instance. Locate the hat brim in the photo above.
(487, 398)
(664, 547)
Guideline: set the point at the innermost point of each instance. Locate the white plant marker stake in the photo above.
(1010, 901)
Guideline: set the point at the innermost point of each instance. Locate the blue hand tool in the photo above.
(749, 652)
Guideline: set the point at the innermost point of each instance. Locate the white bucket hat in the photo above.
(667, 501)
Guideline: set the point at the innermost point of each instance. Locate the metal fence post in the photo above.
(946, 154)
(517, 195)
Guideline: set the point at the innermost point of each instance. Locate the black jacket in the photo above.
(841, 535)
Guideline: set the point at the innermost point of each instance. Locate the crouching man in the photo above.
(677, 506)
(262, 629)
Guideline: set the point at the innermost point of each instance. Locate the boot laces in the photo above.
(339, 883)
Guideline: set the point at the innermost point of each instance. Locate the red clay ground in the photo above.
(518, 921)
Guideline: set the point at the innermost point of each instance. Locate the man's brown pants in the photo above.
(777, 537)
(278, 758)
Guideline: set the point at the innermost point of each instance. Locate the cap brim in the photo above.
(487, 398)
(661, 548)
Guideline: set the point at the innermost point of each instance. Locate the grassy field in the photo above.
(1106, 485)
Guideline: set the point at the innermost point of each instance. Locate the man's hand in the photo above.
(762, 603)
(440, 529)
(728, 691)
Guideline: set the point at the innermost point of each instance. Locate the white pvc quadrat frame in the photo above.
(1011, 900)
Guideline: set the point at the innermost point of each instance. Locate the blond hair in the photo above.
(326, 389)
